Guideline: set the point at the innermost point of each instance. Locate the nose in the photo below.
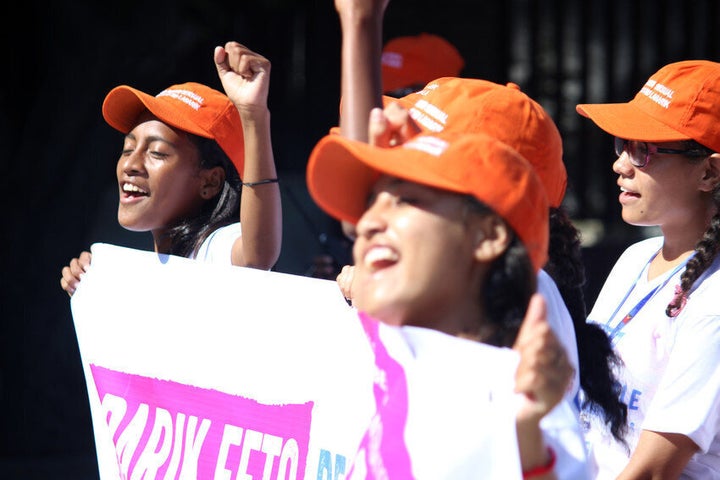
(622, 165)
(131, 163)
(374, 219)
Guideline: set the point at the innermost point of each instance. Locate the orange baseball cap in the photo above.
(341, 173)
(417, 59)
(501, 111)
(190, 107)
(681, 101)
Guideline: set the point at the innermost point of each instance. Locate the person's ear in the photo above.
(492, 238)
(711, 173)
(212, 182)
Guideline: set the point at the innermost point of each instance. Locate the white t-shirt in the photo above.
(561, 323)
(217, 247)
(671, 379)
(446, 409)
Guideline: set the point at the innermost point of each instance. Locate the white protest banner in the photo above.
(194, 368)
(197, 371)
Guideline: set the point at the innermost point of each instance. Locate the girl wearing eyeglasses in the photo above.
(660, 304)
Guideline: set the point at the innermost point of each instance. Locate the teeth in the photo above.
(380, 254)
(129, 187)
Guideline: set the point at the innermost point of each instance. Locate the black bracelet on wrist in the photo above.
(260, 182)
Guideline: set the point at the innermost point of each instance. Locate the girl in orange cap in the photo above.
(508, 114)
(188, 154)
(659, 303)
(451, 231)
(361, 23)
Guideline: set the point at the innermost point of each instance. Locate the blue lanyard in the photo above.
(634, 311)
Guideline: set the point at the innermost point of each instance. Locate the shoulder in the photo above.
(702, 300)
(217, 247)
(710, 279)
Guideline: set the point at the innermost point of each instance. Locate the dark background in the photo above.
(57, 154)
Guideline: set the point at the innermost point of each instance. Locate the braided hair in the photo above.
(706, 248)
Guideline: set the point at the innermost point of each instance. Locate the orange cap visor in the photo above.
(190, 107)
(678, 102)
(341, 173)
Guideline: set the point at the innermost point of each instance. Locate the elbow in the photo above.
(265, 259)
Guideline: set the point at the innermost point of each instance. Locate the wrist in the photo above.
(541, 470)
(260, 182)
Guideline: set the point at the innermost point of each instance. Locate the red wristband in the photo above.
(542, 470)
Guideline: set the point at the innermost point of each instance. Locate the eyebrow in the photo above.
(394, 182)
(152, 138)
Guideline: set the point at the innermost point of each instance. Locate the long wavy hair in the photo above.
(510, 284)
(596, 357)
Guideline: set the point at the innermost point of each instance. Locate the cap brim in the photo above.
(625, 120)
(337, 181)
(123, 105)
(341, 173)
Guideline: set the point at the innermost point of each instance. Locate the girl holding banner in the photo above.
(451, 231)
(187, 156)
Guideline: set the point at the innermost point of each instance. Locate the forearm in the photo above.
(361, 80)
(534, 453)
(659, 455)
(260, 205)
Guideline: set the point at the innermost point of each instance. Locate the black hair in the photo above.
(510, 284)
(596, 357)
(706, 250)
(189, 233)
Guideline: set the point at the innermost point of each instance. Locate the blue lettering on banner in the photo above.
(325, 466)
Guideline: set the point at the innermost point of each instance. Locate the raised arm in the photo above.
(360, 77)
(245, 76)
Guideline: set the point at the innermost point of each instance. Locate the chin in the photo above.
(636, 222)
(389, 314)
(131, 226)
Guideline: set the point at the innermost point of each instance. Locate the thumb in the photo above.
(535, 315)
(221, 62)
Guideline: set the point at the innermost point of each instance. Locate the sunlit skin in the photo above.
(161, 182)
(160, 166)
(416, 258)
(672, 192)
(666, 193)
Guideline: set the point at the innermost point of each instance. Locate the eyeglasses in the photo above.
(639, 152)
